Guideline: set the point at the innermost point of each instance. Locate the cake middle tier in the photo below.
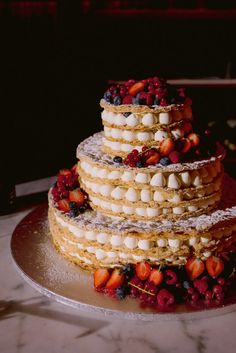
(153, 193)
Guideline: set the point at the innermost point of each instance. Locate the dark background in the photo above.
(57, 57)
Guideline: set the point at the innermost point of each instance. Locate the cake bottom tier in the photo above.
(92, 240)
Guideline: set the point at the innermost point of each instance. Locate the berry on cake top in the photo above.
(153, 91)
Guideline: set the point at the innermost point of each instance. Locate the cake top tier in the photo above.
(153, 93)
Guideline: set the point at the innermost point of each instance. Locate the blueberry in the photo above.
(156, 102)
(139, 164)
(73, 205)
(117, 159)
(120, 293)
(117, 100)
(107, 96)
(135, 100)
(173, 100)
(165, 161)
(186, 284)
(126, 114)
(74, 213)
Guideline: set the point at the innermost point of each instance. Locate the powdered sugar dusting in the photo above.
(225, 213)
(92, 148)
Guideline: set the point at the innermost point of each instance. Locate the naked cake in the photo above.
(148, 202)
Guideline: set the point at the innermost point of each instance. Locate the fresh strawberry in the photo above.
(194, 139)
(214, 266)
(156, 276)
(101, 276)
(116, 280)
(137, 87)
(187, 127)
(77, 196)
(185, 145)
(166, 146)
(64, 205)
(153, 158)
(175, 157)
(127, 99)
(65, 172)
(194, 268)
(143, 270)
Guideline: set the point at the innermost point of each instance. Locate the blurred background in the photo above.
(57, 57)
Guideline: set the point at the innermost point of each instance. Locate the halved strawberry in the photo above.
(65, 172)
(166, 147)
(194, 139)
(194, 268)
(153, 159)
(214, 266)
(100, 277)
(185, 145)
(77, 196)
(143, 270)
(116, 280)
(137, 87)
(156, 276)
(64, 205)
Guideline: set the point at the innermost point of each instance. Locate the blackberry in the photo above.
(126, 114)
(165, 161)
(117, 159)
(128, 270)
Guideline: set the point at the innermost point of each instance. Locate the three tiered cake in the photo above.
(146, 194)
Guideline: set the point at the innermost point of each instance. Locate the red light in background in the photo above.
(29, 8)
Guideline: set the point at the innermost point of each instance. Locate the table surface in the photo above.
(31, 322)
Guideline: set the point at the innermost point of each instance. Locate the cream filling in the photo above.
(172, 180)
(150, 212)
(148, 119)
(142, 136)
(132, 243)
(145, 195)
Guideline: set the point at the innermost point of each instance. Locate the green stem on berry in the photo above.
(141, 289)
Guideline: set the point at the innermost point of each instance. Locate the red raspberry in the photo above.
(201, 285)
(165, 298)
(163, 102)
(170, 277)
(175, 157)
(127, 99)
(149, 99)
(56, 194)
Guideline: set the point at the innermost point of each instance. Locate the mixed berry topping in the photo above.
(151, 91)
(189, 148)
(198, 284)
(67, 194)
